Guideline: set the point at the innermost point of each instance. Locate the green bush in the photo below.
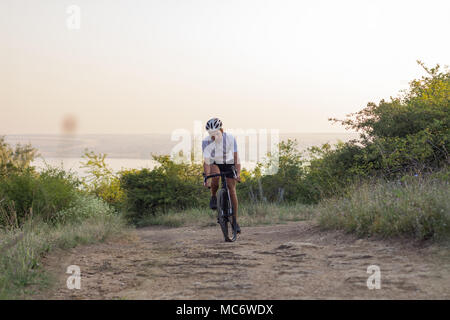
(41, 195)
(167, 186)
(40, 211)
(332, 170)
(407, 133)
(15, 159)
(284, 185)
(413, 206)
(84, 206)
(101, 180)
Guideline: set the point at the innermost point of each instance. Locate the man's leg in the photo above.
(214, 181)
(214, 186)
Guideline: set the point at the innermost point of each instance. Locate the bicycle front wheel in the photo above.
(224, 220)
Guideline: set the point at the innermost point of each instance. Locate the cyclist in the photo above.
(220, 154)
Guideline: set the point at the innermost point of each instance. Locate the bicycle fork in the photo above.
(230, 204)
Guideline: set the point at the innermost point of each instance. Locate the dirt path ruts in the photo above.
(291, 261)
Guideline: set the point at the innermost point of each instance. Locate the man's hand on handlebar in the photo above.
(237, 175)
(206, 176)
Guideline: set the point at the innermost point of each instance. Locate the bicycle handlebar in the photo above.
(205, 178)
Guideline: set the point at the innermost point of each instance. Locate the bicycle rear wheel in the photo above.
(222, 215)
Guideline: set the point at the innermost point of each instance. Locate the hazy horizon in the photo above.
(141, 146)
(136, 150)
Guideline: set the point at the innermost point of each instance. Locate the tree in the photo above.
(101, 180)
(409, 132)
(12, 159)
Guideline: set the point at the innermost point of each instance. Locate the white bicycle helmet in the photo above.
(213, 124)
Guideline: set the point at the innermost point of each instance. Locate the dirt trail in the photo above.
(291, 261)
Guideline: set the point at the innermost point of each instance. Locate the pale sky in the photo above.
(155, 66)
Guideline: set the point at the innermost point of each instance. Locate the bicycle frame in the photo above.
(224, 186)
(223, 217)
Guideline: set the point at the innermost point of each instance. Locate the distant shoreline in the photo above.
(138, 146)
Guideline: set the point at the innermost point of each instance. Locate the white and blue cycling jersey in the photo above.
(219, 152)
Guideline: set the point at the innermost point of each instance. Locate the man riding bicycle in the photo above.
(220, 154)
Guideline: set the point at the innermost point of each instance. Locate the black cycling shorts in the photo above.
(227, 168)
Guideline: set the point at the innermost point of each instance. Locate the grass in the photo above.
(416, 207)
(248, 215)
(413, 207)
(21, 249)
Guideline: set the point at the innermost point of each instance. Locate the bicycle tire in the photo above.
(224, 221)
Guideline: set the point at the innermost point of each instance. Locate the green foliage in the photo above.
(84, 206)
(101, 180)
(408, 133)
(284, 184)
(414, 206)
(169, 185)
(424, 105)
(17, 159)
(40, 211)
(331, 170)
(27, 193)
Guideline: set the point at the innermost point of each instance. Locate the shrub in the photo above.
(169, 185)
(101, 180)
(413, 206)
(284, 185)
(15, 159)
(38, 194)
(410, 132)
(84, 206)
(332, 170)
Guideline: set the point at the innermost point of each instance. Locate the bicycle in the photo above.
(225, 214)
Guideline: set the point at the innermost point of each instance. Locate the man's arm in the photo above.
(237, 164)
(206, 158)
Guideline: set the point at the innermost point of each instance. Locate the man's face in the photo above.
(215, 135)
